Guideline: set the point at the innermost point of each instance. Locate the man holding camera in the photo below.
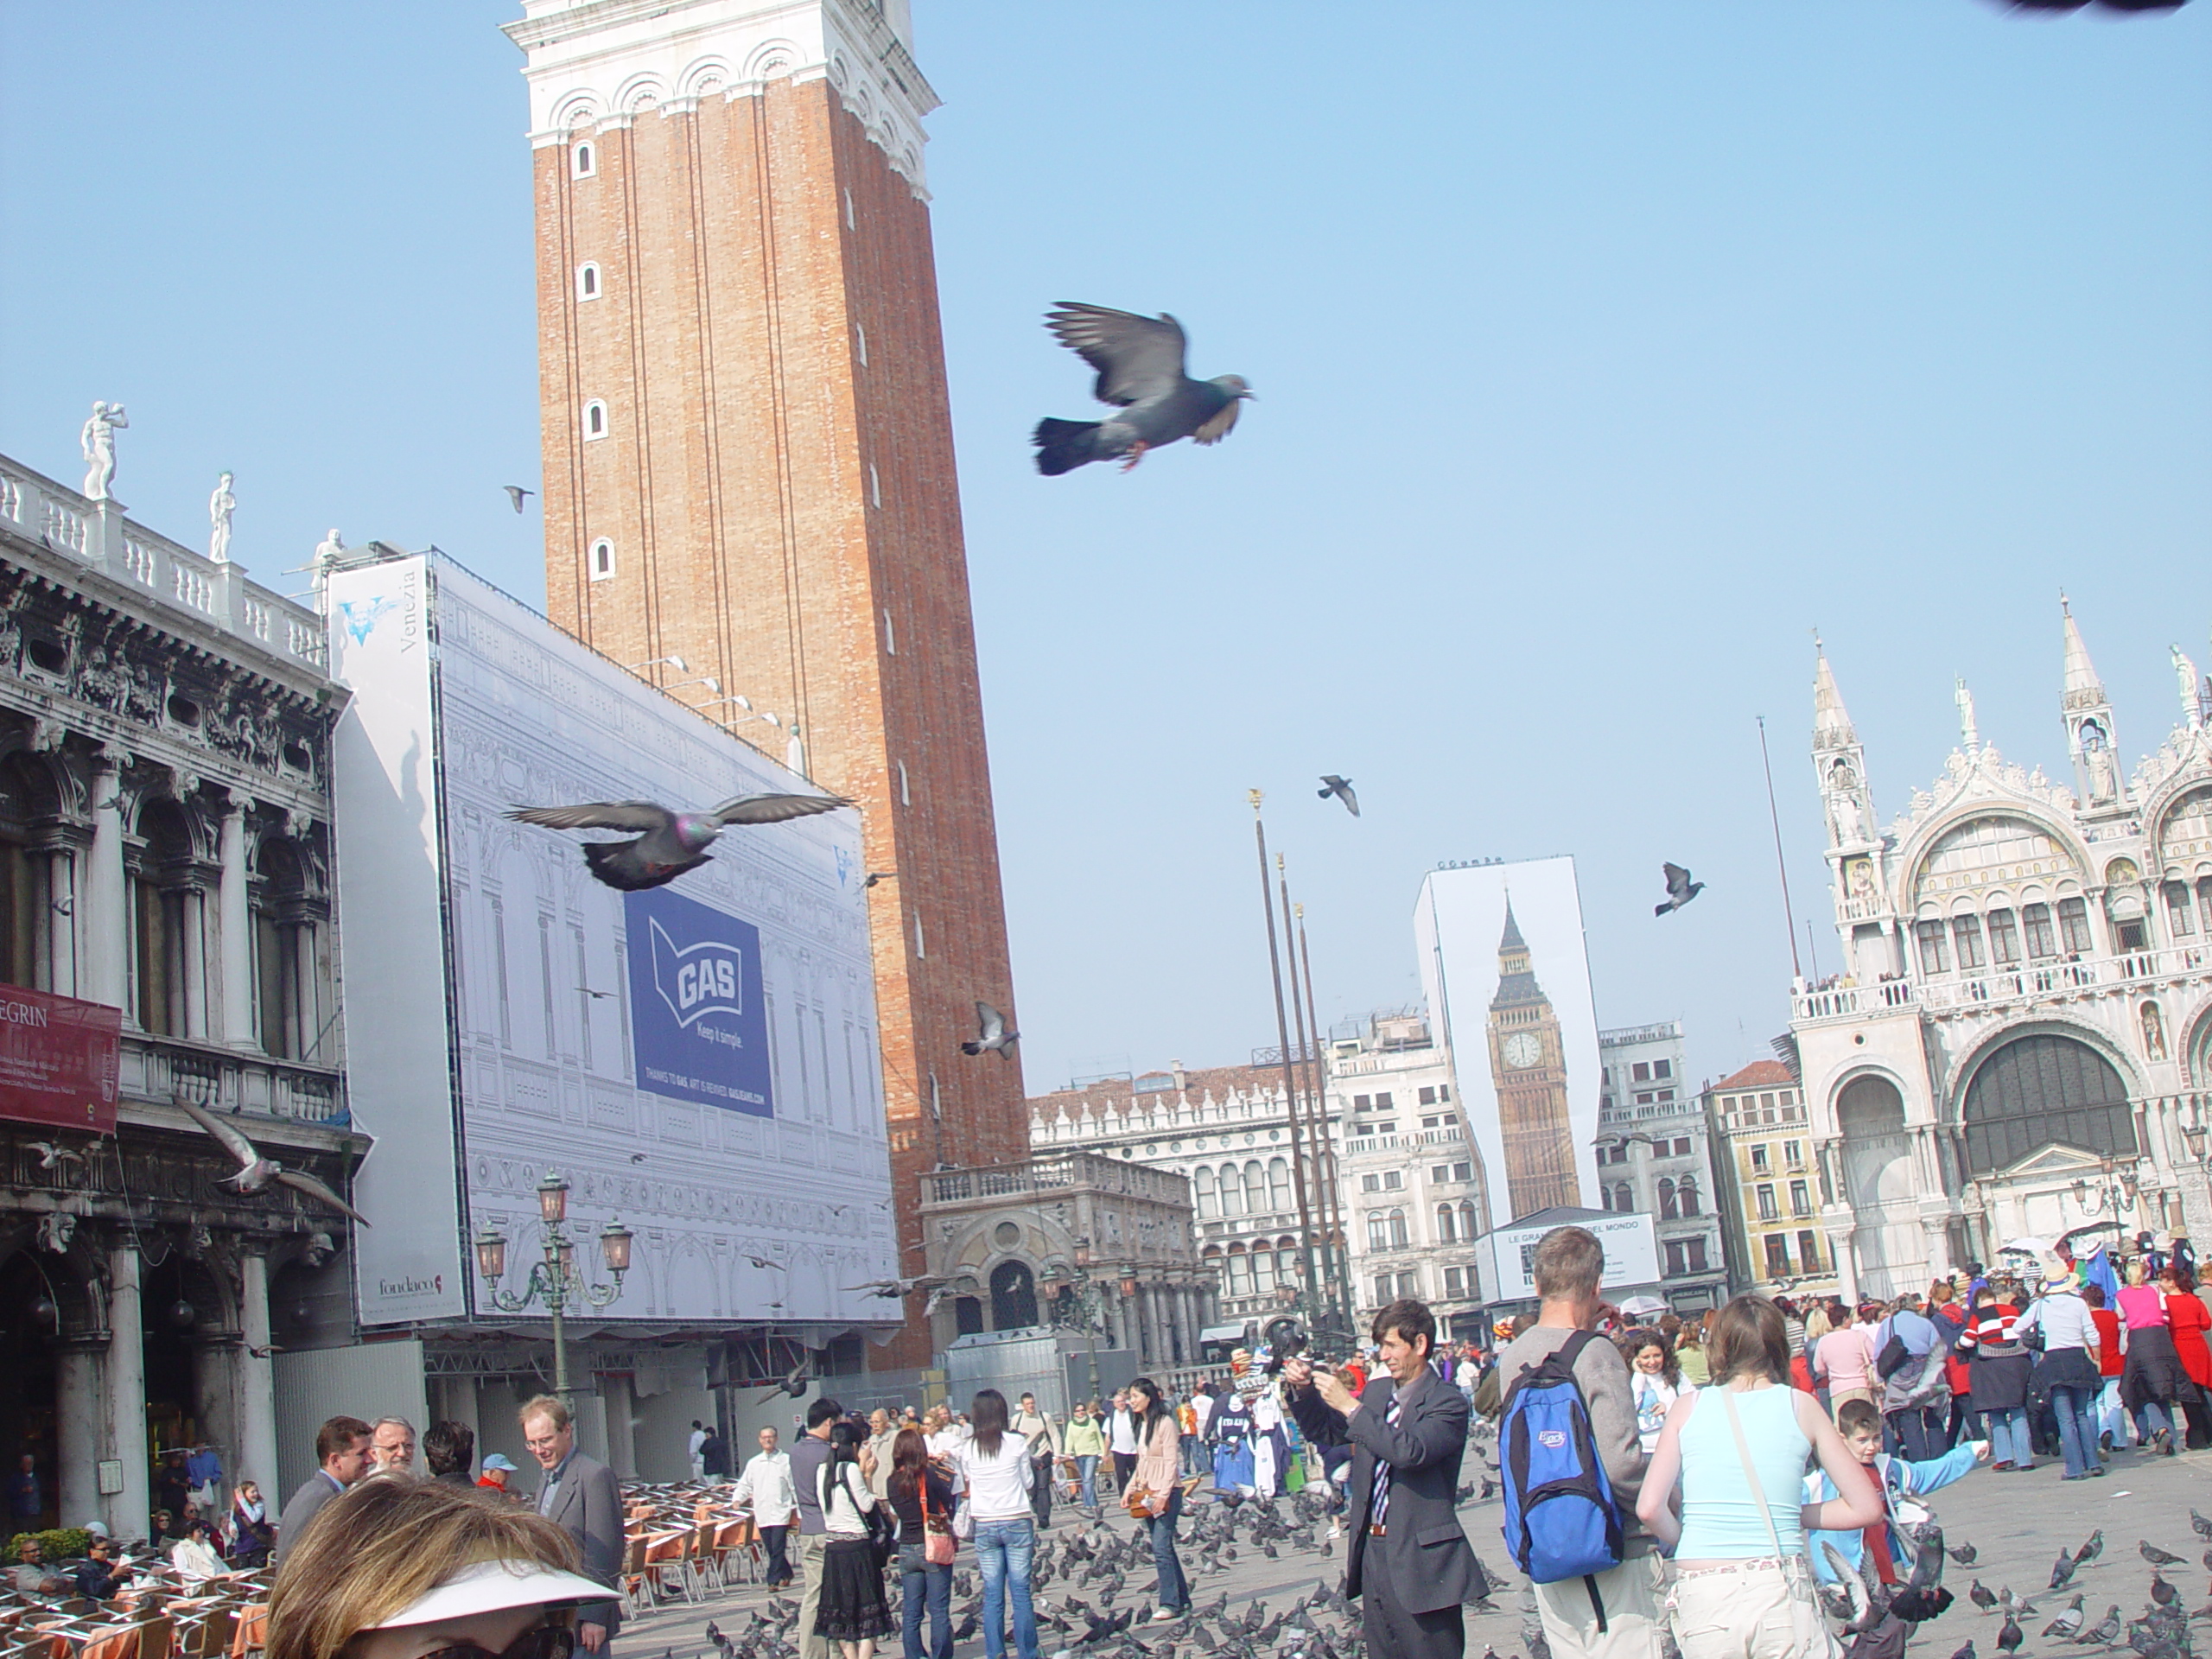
(1409, 1565)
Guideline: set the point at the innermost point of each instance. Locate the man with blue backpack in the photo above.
(1409, 1564)
(1573, 1465)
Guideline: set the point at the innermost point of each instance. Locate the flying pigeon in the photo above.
(1680, 889)
(1341, 788)
(256, 1171)
(50, 1154)
(794, 1384)
(1140, 364)
(668, 842)
(995, 1037)
(515, 493)
(891, 1289)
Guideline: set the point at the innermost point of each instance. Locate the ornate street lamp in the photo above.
(554, 1280)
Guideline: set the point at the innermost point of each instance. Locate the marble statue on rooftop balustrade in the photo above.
(221, 506)
(98, 442)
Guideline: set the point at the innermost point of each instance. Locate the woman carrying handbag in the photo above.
(1743, 1589)
(923, 1500)
(1154, 1494)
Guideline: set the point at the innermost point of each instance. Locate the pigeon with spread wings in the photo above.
(1140, 364)
(1341, 788)
(992, 1036)
(668, 843)
(255, 1172)
(1680, 888)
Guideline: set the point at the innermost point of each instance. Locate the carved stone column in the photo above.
(130, 1510)
(81, 1429)
(104, 912)
(234, 932)
(256, 1378)
(195, 911)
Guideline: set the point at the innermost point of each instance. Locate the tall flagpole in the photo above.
(1789, 910)
(1289, 1076)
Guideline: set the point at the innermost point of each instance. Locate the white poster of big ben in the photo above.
(1506, 973)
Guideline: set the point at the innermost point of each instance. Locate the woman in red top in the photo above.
(2112, 1359)
(2187, 1317)
(1944, 1306)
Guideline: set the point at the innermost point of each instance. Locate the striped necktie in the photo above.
(1379, 1505)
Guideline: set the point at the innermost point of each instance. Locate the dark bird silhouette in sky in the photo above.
(993, 1037)
(1680, 888)
(1140, 364)
(1341, 788)
(516, 492)
(668, 842)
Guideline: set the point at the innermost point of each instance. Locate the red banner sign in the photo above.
(59, 1061)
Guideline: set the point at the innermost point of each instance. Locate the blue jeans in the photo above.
(1087, 1467)
(929, 1587)
(1003, 1550)
(2150, 1418)
(1174, 1592)
(2008, 1437)
(2077, 1429)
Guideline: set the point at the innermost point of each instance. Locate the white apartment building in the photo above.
(1655, 1157)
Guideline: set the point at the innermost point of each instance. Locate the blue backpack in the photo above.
(1560, 1520)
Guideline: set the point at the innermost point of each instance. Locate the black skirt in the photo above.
(2067, 1367)
(2000, 1382)
(2154, 1371)
(852, 1608)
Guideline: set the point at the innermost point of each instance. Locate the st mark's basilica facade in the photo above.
(2017, 1047)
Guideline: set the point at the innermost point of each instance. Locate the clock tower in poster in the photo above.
(1528, 1068)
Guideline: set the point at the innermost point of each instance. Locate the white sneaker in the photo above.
(1164, 1615)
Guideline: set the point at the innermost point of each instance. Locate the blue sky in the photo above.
(1604, 350)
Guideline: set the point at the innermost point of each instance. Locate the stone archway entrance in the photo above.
(2045, 1124)
(1880, 1186)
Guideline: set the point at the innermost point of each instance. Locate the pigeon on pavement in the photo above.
(1680, 889)
(1140, 364)
(1341, 788)
(670, 842)
(994, 1037)
(256, 1171)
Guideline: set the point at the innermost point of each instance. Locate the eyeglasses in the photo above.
(546, 1642)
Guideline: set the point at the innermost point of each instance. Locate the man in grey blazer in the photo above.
(1409, 1565)
(580, 1494)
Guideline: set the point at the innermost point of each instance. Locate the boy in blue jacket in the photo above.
(1901, 1482)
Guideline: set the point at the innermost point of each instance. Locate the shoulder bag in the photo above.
(938, 1545)
(1809, 1635)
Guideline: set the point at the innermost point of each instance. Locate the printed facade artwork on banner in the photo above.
(59, 1061)
(700, 1030)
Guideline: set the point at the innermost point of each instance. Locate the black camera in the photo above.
(1286, 1339)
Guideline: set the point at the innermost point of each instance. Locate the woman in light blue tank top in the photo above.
(1739, 1566)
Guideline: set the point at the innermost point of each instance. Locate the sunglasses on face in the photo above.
(546, 1642)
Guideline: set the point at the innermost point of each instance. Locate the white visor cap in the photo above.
(495, 1586)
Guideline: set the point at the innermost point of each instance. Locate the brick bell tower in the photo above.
(748, 466)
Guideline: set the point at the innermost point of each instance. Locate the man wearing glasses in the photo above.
(580, 1494)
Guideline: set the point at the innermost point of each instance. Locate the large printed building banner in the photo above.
(59, 1059)
(700, 1031)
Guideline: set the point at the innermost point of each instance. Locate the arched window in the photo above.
(34, 882)
(603, 559)
(1686, 1195)
(1623, 1197)
(1240, 1273)
(1399, 1238)
(168, 910)
(2179, 921)
(584, 159)
(968, 1316)
(1202, 1190)
(1014, 1296)
(1378, 1235)
(2044, 1090)
(1466, 1221)
(1286, 1264)
(1278, 1185)
(1263, 1272)
(1666, 1211)
(588, 280)
(1232, 1191)
(1446, 1224)
(2043, 940)
(1256, 1188)
(288, 976)
(596, 419)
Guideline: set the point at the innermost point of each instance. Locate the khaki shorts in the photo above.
(1739, 1612)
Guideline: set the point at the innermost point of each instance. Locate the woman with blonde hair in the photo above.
(1743, 1589)
(1689, 1354)
(422, 1570)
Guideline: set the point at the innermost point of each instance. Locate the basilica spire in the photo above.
(1831, 720)
(2090, 739)
(2083, 688)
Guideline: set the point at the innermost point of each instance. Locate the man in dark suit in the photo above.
(1409, 1565)
(580, 1496)
(342, 1453)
